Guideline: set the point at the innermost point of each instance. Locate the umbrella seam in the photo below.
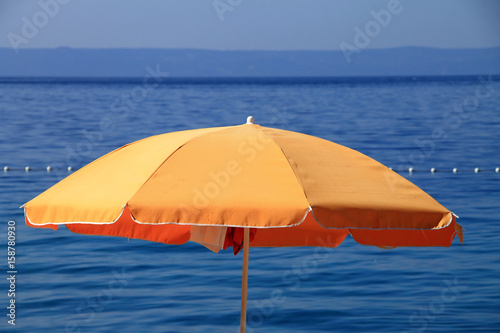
(101, 157)
(291, 166)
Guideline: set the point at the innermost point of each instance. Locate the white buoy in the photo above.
(410, 170)
(70, 168)
(455, 170)
(390, 168)
(433, 170)
(250, 120)
(5, 168)
(27, 169)
(497, 169)
(476, 170)
(49, 168)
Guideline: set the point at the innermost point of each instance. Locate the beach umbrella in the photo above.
(243, 186)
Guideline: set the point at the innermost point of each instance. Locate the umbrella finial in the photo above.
(250, 120)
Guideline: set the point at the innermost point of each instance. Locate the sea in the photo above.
(66, 282)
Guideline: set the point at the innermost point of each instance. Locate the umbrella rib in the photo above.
(98, 159)
(290, 164)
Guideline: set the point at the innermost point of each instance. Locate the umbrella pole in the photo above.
(244, 280)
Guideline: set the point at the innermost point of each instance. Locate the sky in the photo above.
(249, 24)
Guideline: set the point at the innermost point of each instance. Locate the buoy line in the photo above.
(410, 170)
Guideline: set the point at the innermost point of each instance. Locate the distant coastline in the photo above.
(284, 80)
(195, 63)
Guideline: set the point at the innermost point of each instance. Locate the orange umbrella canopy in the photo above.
(294, 189)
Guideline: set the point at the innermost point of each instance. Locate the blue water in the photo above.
(75, 283)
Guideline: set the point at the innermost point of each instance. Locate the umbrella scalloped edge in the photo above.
(176, 233)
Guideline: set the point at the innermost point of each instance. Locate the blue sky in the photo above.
(250, 24)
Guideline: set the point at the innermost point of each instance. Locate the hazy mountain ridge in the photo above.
(404, 61)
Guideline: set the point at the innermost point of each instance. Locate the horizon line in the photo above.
(246, 50)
